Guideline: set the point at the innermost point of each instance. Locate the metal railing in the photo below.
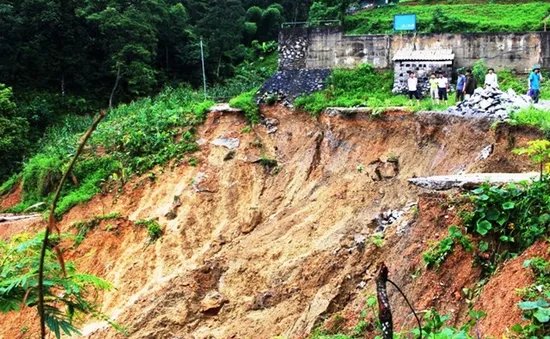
(329, 23)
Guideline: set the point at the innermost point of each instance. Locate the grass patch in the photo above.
(532, 117)
(449, 18)
(85, 226)
(247, 102)
(362, 87)
(133, 139)
(9, 185)
(154, 229)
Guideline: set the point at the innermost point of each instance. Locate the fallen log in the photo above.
(471, 180)
(10, 217)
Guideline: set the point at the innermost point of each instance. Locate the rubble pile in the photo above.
(491, 103)
(290, 84)
(273, 97)
(387, 218)
(391, 217)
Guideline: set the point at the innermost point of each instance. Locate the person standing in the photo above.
(412, 84)
(442, 88)
(491, 78)
(471, 84)
(534, 81)
(433, 88)
(460, 85)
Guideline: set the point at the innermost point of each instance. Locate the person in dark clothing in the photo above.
(460, 84)
(471, 84)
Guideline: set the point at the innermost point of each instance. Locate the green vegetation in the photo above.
(13, 133)
(363, 86)
(533, 117)
(440, 251)
(483, 17)
(505, 220)
(536, 301)
(133, 139)
(433, 326)
(9, 185)
(247, 102)
(68, 297)
(539, 153)
(153, 228)
(84, 227)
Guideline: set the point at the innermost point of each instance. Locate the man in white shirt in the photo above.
(491, 78)
(442, 88)
(412, 84)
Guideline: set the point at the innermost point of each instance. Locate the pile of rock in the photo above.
(391, 217)
(273, 97)
(385, 219)
(491, 103)
(290, 84)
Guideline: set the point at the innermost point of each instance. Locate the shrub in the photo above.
(68, 298)
(13, 134)
(440, 251)
(536, 301)
(40, 177)
(479, 70)
(246, 101)
(533, 117)
(8, 186)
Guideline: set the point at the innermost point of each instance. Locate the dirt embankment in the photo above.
(254, 249)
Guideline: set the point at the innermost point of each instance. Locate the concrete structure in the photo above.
(329, 47)
(422, 63)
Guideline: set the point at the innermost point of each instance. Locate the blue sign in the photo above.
(404, 22)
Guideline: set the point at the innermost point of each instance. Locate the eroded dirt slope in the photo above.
(251, 253)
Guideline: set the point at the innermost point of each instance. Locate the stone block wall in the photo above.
(327, 48)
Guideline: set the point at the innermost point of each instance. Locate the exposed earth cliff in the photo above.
(254, 248)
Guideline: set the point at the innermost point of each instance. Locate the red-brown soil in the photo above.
(298, 263)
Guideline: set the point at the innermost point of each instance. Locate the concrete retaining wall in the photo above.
(318, 48)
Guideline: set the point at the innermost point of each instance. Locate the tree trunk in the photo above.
(63, 84)
(384, 310)
(167, 58)
(114, 88)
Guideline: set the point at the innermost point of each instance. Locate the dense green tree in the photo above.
(13, 134)
(222, 30)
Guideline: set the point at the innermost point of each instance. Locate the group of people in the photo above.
(466, 85)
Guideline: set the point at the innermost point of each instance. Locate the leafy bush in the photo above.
(439, 252)
(67, 298)
(320, 11)
(40, 177)
(536, 301)
(509, 218)
(479, 70)
(246, 101)
(13, 134)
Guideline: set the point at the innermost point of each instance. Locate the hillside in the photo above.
(255, 251)
(267, 204)
(454, 18)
